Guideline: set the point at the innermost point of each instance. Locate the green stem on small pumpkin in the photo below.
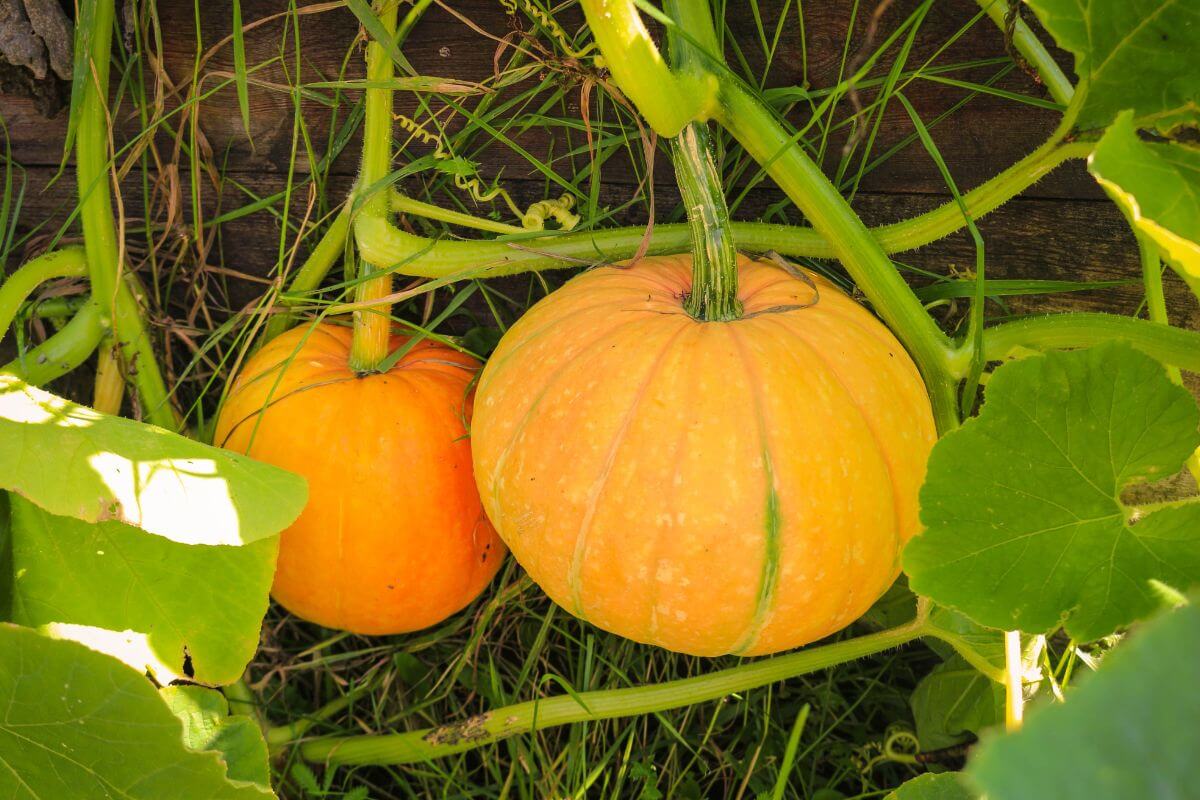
(372, 325)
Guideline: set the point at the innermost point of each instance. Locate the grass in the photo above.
(548, 113)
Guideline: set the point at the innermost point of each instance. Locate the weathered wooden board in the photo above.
(1061, 228)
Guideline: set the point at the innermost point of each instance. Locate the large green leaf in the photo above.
(1133, 54)
(80, 725)
(1157, 185)
(943, 786)
(169, 596)
(208, 725)
(75, 462)
(1129, 732)
(1024, 523)
(954, 701)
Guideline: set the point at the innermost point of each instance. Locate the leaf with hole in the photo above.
(109, 468)
(159, 596)
(79, 724)
(1024, 523)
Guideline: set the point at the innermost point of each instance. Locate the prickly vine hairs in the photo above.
(1030, 559)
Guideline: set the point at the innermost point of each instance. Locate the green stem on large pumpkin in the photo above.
(714, 294)
(535, 715)
(372, 321)
(113, 298)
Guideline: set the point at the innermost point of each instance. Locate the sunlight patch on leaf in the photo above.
(73, 461)
(1024, 524)
(129, 647)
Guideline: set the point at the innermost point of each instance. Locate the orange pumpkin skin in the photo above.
(393, 538)
(708, 487)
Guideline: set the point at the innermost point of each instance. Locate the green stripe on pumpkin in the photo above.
(769, 578)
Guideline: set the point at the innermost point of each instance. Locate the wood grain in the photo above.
(1060, 228)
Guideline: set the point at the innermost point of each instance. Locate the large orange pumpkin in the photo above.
(393, 538)
(709, 487)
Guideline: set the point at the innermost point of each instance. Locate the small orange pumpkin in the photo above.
(393, 538)
(709, 487)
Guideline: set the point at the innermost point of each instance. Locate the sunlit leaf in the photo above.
(76, 462)
(1157, 185)
(168, 596)
(1024, 523)
(208, 725)
(1129, 731)
(1132, 54)
(80, 725)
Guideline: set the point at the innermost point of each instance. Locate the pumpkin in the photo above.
(709, 487)
(393, 538)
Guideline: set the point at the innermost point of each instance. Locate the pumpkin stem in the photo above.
(714, 256)
(372, 322)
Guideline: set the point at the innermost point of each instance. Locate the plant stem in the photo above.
(1156, 308)
(667, 99)
(422, 745)
(68, 262)
(382, 243)
(313, 270)
(714, 294)
(1014, 684)
(860, 253)
(110, 383)
(372, 326)
(113, 298)
(1174, 346)
(1032, 50)
(62, 352)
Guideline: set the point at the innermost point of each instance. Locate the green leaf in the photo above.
(1128, 731)
(239, 67)
(78, 724)
(1157, 185)
(168, 596)
(942, 786)
(208, 725)
(76, 462)
(953, 701)
(1132, 54)
(1024, 525)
